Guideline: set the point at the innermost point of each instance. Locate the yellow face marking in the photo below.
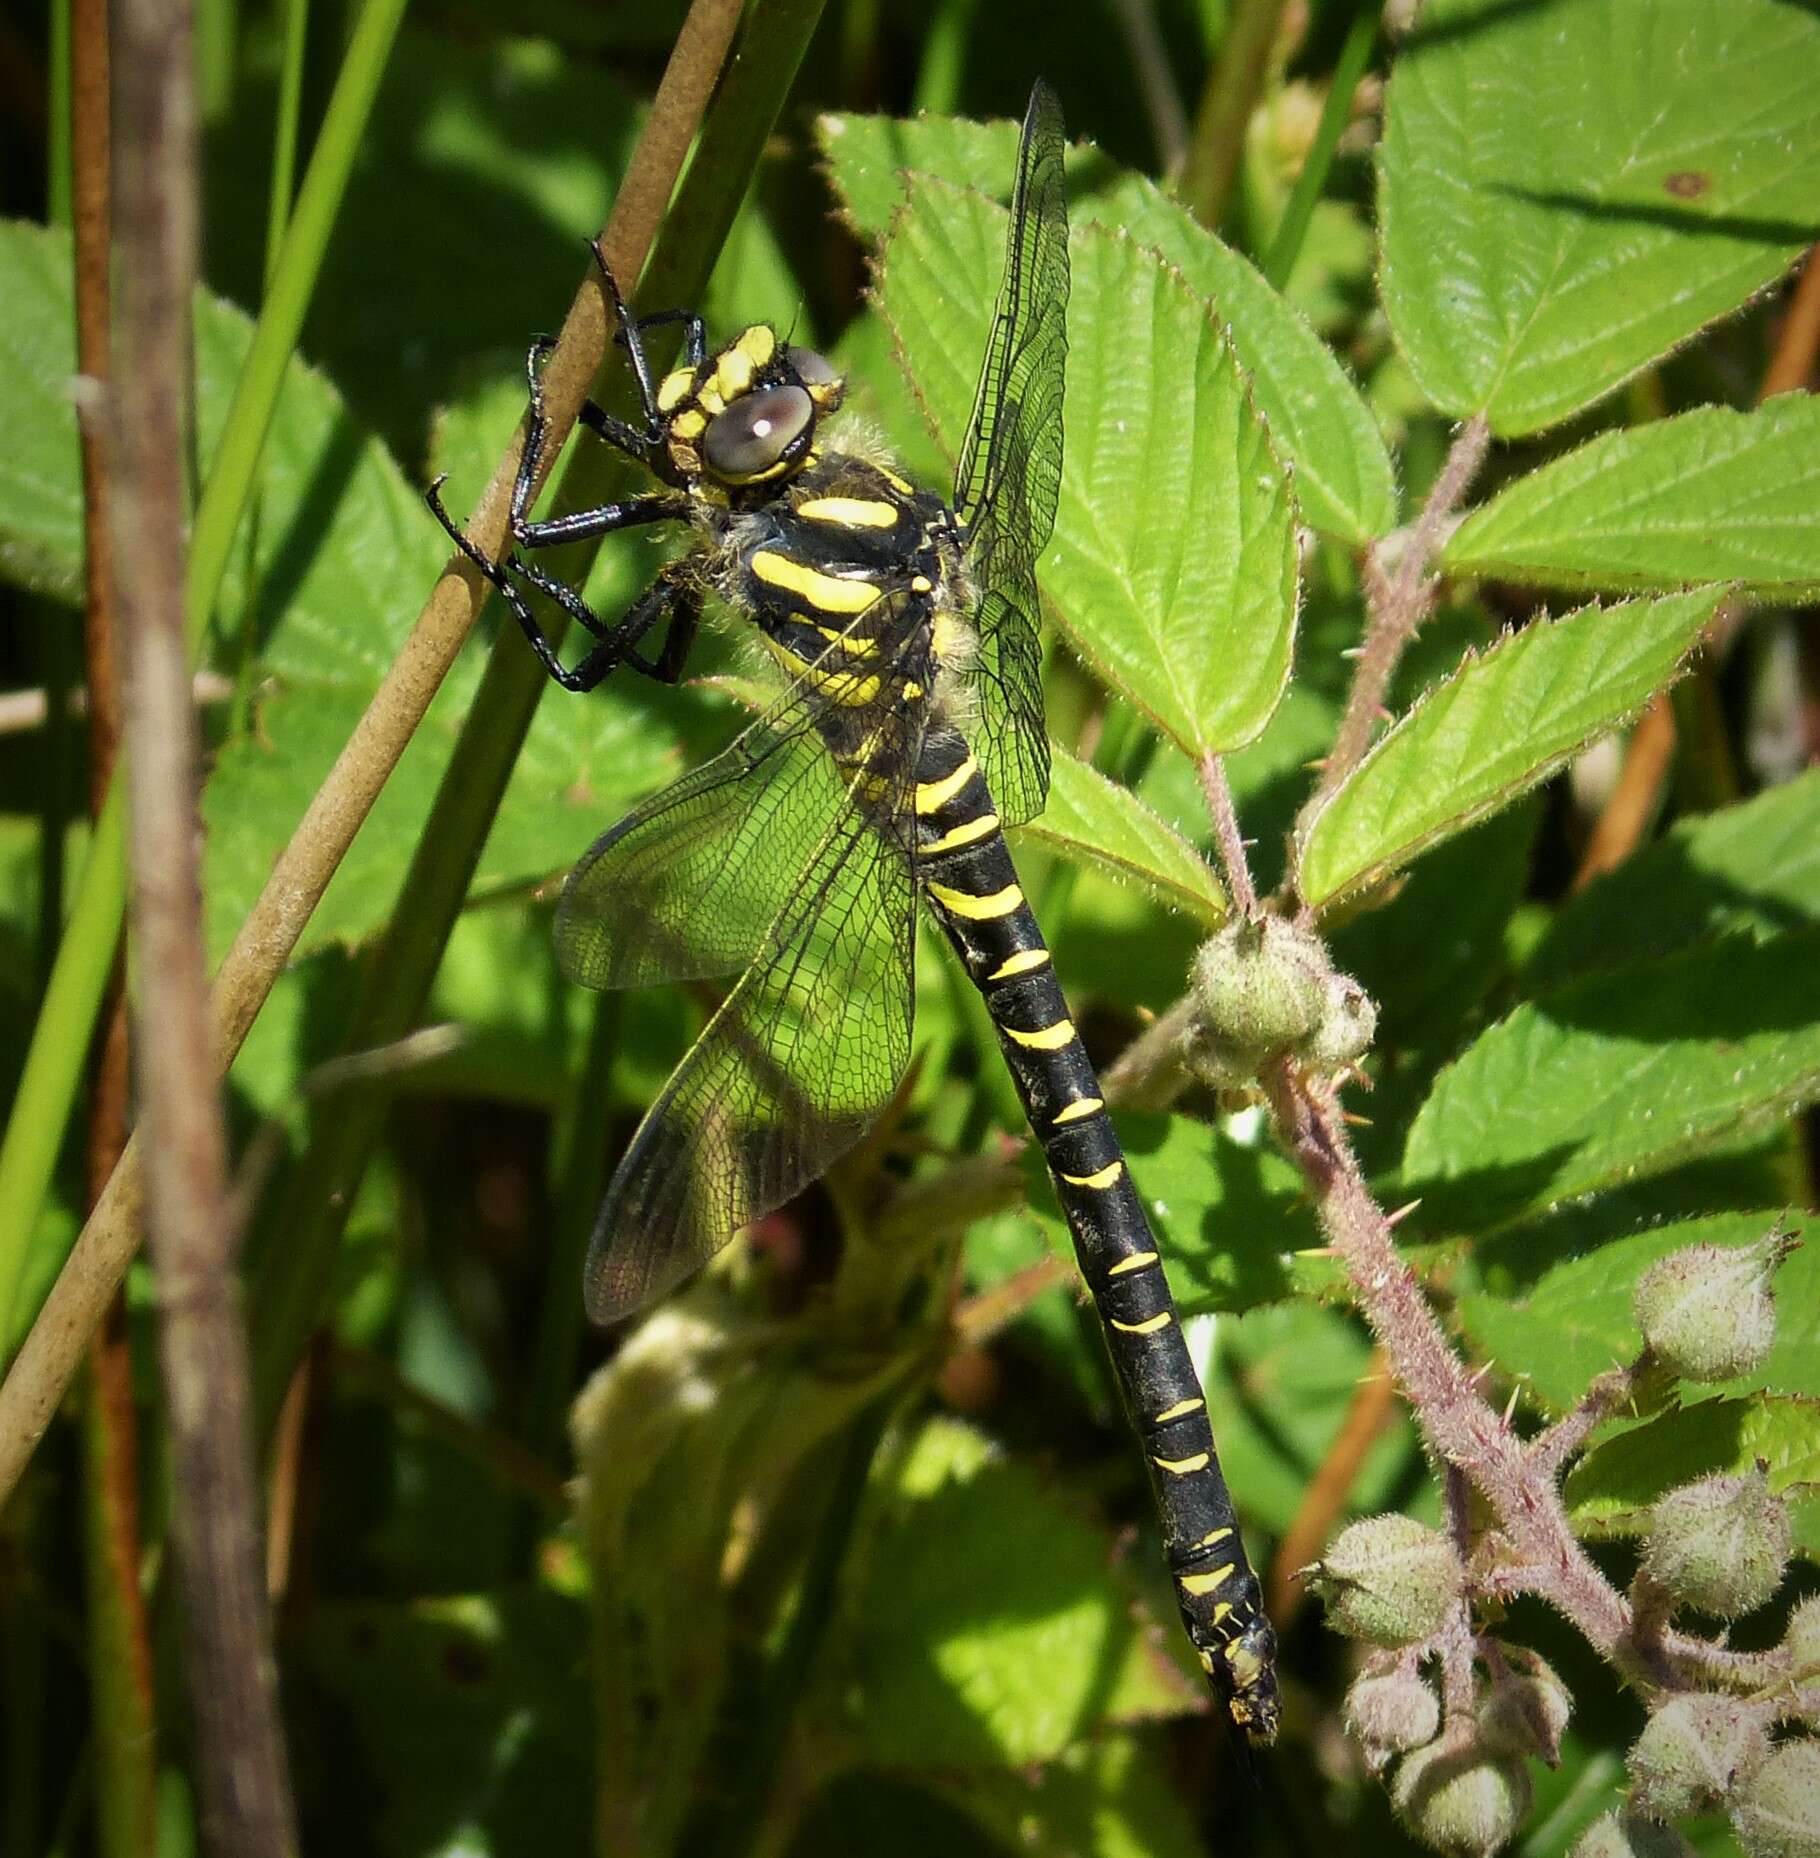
(1051, 1039)
(1149, 1326)
(1138, 1261)
(824, 591)
(932, 796)
(1072, 1113)
(1198, 1584)
(709, 399)
(921, 584)
(758, 344)
(968, 832)
(974, 909)
(1182, 1467)
(1212, 1536)
(733, 373)
(1180, 1410)
(850, 513)
(689, 425)
(1099, 1180)
(1021, 963)
(674, 389)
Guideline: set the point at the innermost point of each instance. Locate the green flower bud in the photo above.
(1708, 1312)
(1776, 1813)
(1720, 1544)
(1802, 1640)
(1693, 1751)
(1610, 1836)
(1388, 1580)
(1391, 1715)
(1349, 1018)
(1460, 1798)
(1525, 1711)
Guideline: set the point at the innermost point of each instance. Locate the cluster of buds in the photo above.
(1456, 1758)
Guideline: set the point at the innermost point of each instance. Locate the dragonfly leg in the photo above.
(670, 596)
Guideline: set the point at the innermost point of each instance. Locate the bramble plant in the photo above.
(1432, 856)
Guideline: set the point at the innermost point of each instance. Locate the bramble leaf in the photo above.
(1503, 721)
(1569, 190)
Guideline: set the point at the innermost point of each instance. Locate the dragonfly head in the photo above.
(746, 416)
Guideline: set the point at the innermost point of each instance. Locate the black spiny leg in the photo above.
(673, 595)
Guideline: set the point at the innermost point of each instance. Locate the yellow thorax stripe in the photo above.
(824, 591)
(1072, 1113)
(1207, 1583)
(1102, 1177)
(1180, 1410)
(850, 512)
(1044, 1039)
(1138, 1261)
(1149, 1326)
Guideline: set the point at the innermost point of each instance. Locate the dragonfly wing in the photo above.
(1010, 470)
(687, 886)
(787, 1075)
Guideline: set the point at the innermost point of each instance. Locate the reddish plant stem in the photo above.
(1550, 1451)
(1458, 1427)
(1226, 836)
(245, 1793)
(1397, 600)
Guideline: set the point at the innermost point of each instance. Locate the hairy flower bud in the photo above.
(1461, 1798)
(1391, 1715)
(1708, 1312)
(1388, 1580)
(1802, 1640)
(1526, 1709)
(1693, 1751)
(1720, 1544)
(1266, 989)
(1612, 1836)
(1776, 1813)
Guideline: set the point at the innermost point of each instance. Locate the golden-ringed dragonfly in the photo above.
(908, 736)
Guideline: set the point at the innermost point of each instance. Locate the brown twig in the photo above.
(1792, 364)
(245, 1792)
(41, 1371)
(1370, 1410)
(120, 1662)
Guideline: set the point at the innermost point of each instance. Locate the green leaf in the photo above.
(1610, 1491)
(1037, 1646)
(1317, 417)
(1620, 1076)
(1502, 722)
(1569, 190)
(1576, 1323)
(1227, 1215)
(1712, 495)
(1173, 567)
(40, 464)
(1752, 868)
(1099, 823)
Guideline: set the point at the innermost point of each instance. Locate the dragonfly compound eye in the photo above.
(753, 433)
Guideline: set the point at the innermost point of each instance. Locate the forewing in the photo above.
(1010, 469)
(786, 1076)
(686, 886)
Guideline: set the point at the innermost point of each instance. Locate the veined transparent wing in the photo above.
(813, 1037)
(1010, 467)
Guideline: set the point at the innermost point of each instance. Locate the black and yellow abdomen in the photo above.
(965, 871)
